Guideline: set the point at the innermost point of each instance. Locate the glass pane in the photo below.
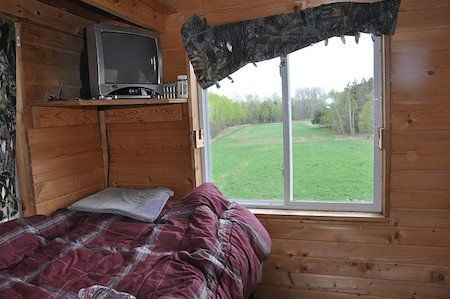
(332, 110)
(246, 133)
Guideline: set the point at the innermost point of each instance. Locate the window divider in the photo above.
(287, 130)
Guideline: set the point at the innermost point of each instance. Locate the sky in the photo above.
(330, 67)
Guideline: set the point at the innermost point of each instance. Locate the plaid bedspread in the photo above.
(202, 246)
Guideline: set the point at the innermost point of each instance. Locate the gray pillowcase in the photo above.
(143, 205)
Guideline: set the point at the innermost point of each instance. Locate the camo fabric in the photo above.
(218, 51)
(8, 199)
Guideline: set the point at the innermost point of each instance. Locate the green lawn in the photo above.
(247, 161)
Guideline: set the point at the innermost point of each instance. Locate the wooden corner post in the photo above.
(25, 178)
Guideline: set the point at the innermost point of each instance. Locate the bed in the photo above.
(202, 246)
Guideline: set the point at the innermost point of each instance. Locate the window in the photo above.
(302, 131)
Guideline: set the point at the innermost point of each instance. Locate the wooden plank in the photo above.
(154, 145)
(432, 18)
(362, 233)
(55, 169)
(421, 120)
(115, 102)
(268, 291)
(141, 13)
(158, 176)
(62, 116)
(23, 163)
(80, 9)
(421, 82)
(151, 129)
(421, 218)
(420, 160)
(49, 206)
(425, 255)
(194, 126)
(68, 184)
(433, 101)
(80, 145)
(431, 199)
(357, 268)
(163, 113)
(412, 64)
(63, 135)
(420, 40)
(420, 141)
(43, 14)
(291, 215)
(144, 158)
(104, 147)
(44, 55)
(411, 5)
(49, 39)
(51, 75)
(220, 12)
(420, 180)
(356, 286)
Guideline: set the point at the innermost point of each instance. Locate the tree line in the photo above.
(349, 112)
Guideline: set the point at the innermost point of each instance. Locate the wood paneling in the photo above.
(355, 285)
(42, 14)
(144, 153)
(47, 117)
(149, 14)
(64, 148)
(51, 63)
(144, 114)
(66, 162)
(25, 180)
(408, 256)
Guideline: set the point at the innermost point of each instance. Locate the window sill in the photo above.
(318, 215)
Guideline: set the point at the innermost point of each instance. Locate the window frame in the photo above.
(381, 144)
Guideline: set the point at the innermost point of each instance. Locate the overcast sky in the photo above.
(329, 67)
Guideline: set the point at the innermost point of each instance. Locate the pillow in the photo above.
(143, 205)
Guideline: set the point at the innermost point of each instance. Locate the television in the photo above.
(123, 62)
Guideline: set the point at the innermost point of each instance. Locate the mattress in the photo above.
(202, 246)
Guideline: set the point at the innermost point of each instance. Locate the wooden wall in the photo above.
(150, 147)
(407, 255)
(62, 144)
(61, 153)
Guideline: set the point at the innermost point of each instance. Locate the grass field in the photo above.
(247, 162)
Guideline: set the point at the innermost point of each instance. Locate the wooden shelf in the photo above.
(118, 102)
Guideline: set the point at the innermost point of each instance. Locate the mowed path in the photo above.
(247, 163)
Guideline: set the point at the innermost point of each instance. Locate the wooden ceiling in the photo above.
(152, 14)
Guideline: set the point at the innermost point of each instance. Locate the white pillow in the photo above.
(144, 205)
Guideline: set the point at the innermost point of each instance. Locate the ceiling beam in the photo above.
(165, 6)
(149, 14)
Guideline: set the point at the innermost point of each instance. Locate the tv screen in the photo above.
(129, 58)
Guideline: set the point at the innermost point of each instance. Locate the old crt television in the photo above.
(123, 62)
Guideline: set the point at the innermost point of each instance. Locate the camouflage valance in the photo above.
(218, 51)
(8, 199)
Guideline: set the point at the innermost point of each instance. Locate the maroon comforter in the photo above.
(201, 247)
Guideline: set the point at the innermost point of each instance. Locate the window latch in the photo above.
(381, 138)
(199, 140)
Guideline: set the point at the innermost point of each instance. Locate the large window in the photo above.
(300, 131)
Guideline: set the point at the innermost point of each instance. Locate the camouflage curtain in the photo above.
(8, 200)
(218, 51)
